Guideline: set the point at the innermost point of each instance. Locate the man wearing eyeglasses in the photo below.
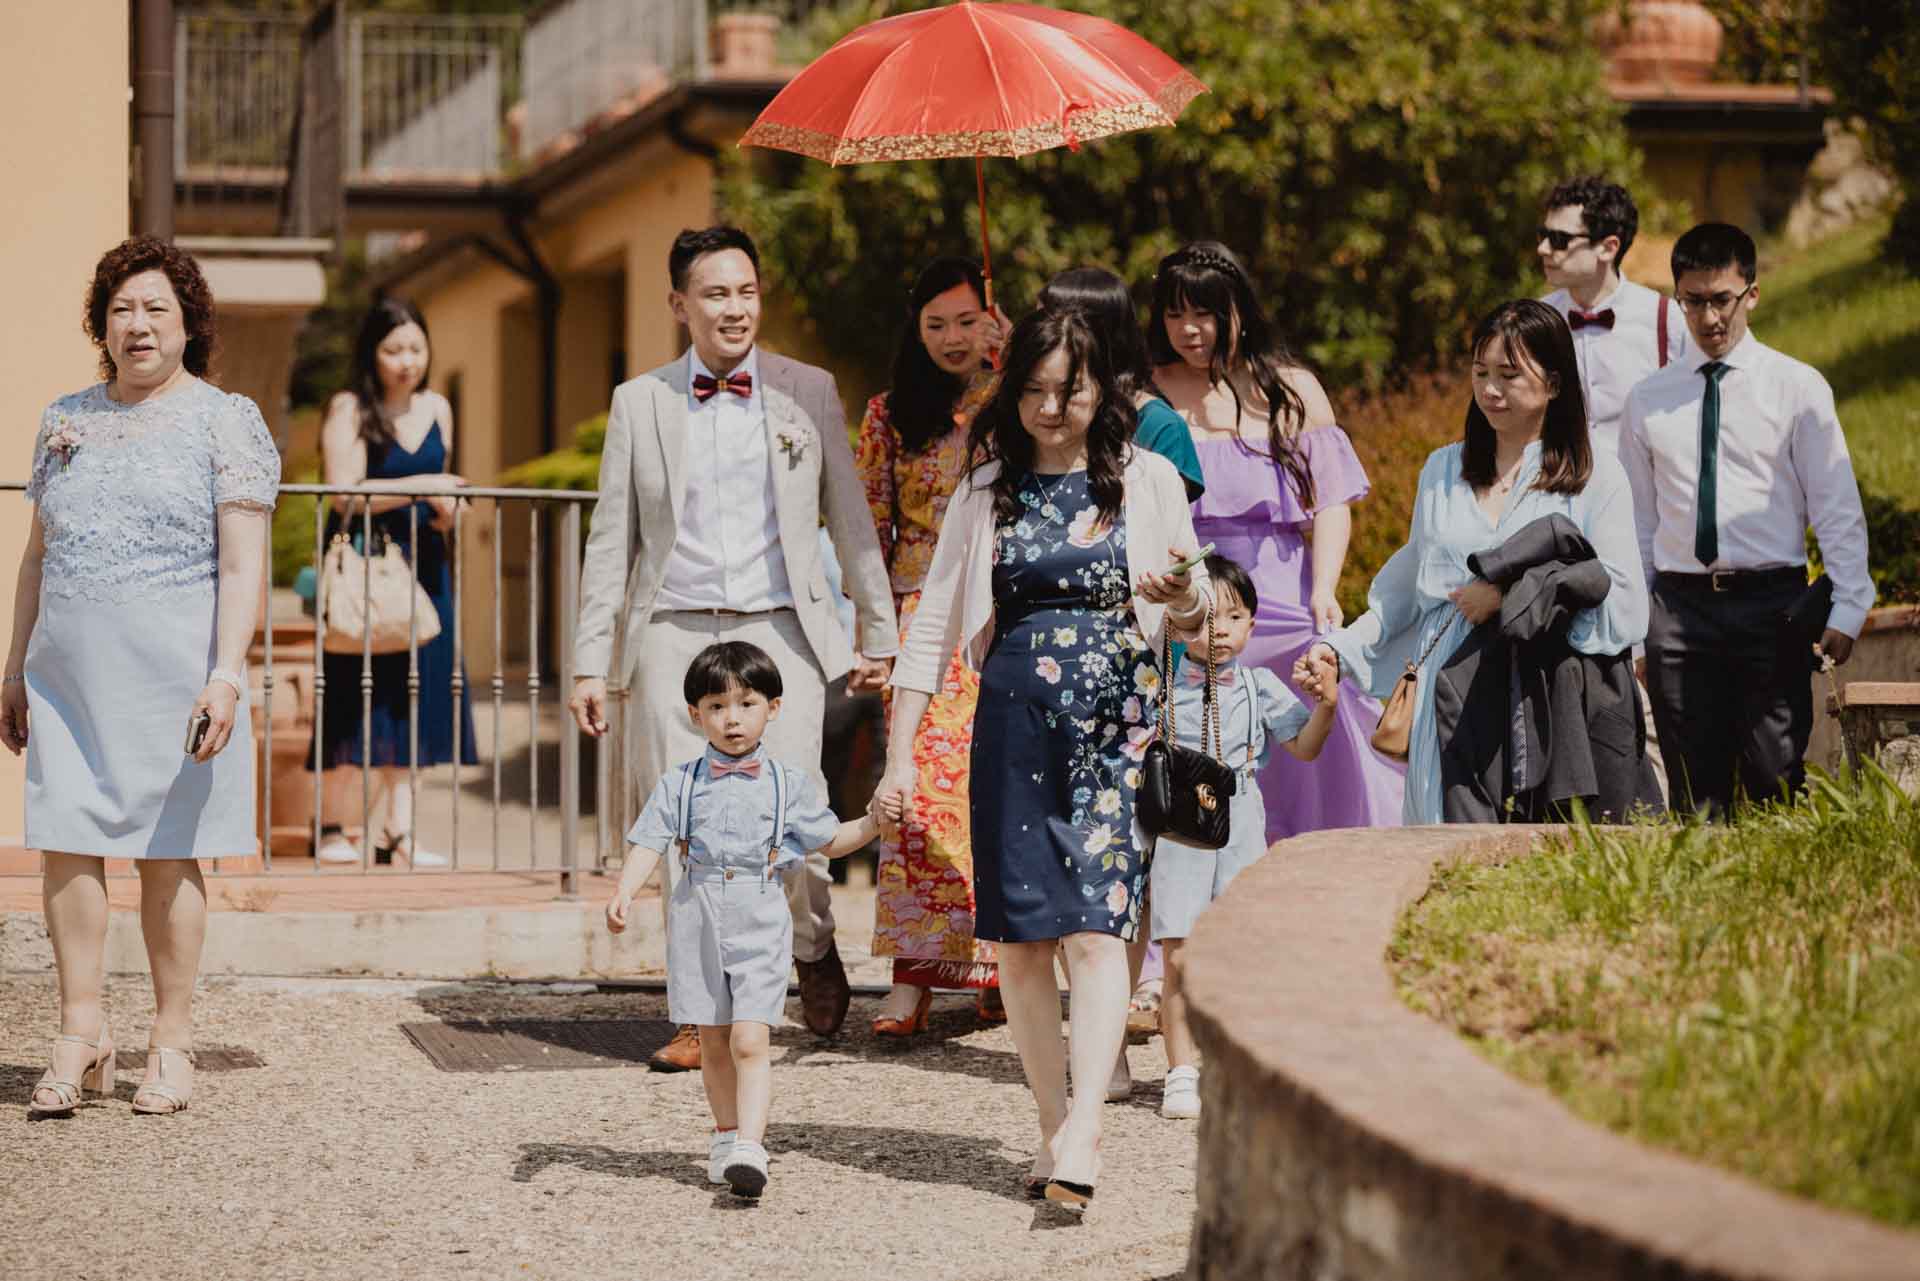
(1731, 454)
(1622, 331)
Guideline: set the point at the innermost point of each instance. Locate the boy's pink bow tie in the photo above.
(747, 768)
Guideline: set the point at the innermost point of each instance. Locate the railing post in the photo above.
(569, 732)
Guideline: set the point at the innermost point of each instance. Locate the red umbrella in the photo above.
(974, 80)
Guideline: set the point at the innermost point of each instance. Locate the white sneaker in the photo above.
(746, 1168)
(336, 848)
(1181, 1101)
(719, 1151)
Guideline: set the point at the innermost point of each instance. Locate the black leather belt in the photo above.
(1738, 580)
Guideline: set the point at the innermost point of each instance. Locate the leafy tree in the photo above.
(1379, 162)
(1869, 53)
(1764, 39)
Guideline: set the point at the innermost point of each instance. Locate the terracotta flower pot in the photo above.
(1670, 40)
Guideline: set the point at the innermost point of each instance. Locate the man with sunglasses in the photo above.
(1622, 331)
(1731, 453)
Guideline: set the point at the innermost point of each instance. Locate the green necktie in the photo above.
(1706, 515)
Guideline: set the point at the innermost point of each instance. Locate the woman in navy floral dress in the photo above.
(1065, 689)
(1051, 573)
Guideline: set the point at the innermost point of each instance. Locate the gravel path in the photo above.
(350, 1155)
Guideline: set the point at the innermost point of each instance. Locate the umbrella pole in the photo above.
(986, 248)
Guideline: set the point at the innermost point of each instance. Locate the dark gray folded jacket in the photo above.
(1526, 723)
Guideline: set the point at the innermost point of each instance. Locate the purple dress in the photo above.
(1252, 515)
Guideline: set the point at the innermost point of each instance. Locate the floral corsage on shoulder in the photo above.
(63, 442)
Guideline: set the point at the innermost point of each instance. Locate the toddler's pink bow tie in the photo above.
(745, 768)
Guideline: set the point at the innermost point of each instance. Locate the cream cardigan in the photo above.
(957, 598)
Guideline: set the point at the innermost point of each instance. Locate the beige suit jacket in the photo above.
(643, 478)
(956, 603)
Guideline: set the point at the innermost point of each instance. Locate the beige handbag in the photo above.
(365, 605)
(1394, 734)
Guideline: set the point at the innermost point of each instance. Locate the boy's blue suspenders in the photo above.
(684, 824)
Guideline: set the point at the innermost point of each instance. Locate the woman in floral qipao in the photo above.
(1051, 566)
(911, 455)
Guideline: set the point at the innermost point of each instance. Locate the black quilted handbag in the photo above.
(1184, 792)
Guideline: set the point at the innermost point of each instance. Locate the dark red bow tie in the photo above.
(1577, 319)
(706, 386)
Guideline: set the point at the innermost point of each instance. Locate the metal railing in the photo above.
(429, 95)
(584, 56)
(426, 95)
(236, 85)
(494, 504)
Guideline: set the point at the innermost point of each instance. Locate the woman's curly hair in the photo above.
(146, 253)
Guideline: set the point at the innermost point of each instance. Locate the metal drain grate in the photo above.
(534, 1045)
(208, 1058)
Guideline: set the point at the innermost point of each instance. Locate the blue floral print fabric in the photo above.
(1066, 709)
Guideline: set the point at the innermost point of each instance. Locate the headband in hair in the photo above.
(1207, 260)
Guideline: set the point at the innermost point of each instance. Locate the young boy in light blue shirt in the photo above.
(737, 820)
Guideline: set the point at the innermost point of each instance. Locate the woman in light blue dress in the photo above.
(1526, 454)
(138, 595)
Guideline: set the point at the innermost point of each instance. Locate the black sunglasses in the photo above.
(1561, 241)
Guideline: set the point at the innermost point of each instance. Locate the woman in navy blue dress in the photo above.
(389, 431)
(1051, 571)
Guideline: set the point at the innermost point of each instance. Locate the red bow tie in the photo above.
(747, 768)
(1577, 319)
(706, 386)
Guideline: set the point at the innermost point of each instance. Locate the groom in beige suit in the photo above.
(715, 475)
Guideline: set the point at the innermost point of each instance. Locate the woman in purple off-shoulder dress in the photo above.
(1280, 473)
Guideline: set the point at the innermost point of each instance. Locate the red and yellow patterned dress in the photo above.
(923, 904)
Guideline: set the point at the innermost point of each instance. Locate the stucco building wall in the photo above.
(63, 92)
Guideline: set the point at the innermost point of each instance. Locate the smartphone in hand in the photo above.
(197, 732)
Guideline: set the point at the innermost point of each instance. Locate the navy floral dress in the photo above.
(1066, 710)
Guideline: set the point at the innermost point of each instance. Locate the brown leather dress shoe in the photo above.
(824, 993)
(681, 1054)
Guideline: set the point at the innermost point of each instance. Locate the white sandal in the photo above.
(158, 1096)
(96, 1076)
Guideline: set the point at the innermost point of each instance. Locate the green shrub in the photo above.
(1869, 55)
(1380, 163)
(293, 526)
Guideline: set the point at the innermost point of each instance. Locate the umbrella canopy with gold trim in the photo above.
(974, 80)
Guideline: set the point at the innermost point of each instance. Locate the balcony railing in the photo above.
(429, 96)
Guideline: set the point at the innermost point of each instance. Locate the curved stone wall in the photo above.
(1345, 1137)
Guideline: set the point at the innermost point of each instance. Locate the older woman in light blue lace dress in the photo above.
(137, 599)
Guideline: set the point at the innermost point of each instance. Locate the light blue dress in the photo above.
(1407, 606)
(1256, 711)
(127, 499)
(729, 929)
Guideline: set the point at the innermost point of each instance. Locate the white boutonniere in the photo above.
(793, 443)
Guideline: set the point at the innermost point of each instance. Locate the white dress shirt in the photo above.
(1613, 360)
(727, 554)
(1783, 465)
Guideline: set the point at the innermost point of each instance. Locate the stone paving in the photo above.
(350, 1155)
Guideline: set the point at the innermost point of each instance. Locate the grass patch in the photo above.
(1842, 307)
(1749, 996)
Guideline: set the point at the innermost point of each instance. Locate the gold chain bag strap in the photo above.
(1393, 734)
(1184, 793)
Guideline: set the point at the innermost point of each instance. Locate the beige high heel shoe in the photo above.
(159, 1095)
(97, 1076)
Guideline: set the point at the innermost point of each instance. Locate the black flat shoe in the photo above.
(1065, 1192)
(1036, 1189)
